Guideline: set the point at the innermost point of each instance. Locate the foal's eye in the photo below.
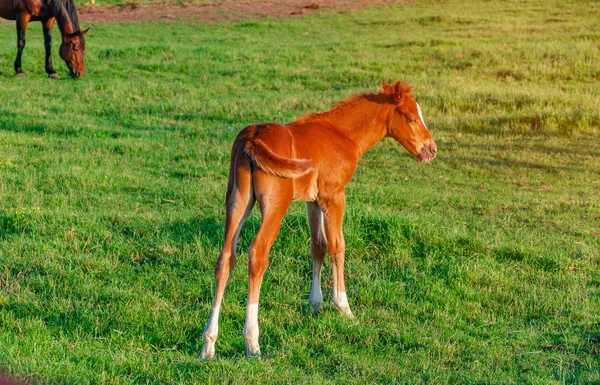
(409, 120)
(75, 48)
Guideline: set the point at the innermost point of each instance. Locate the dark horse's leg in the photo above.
(47, 27)
(22, 20)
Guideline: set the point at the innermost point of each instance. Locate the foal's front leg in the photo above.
(318, 249)
(333, 210)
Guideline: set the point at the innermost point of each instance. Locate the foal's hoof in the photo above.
(252, 348)
(253, 355)
(53, 76)
(346, 312)
(208, 349)
(315, 307)
(20, 75)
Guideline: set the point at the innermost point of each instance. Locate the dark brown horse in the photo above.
(311, 159)
(48, 11)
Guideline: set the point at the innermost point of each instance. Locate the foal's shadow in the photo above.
(210, 230)
(187, 231)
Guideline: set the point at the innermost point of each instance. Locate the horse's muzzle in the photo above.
(76, 74)
(428, 151)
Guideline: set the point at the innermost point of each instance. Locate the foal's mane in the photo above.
(65, 11)
(353, 101)
(339, 107)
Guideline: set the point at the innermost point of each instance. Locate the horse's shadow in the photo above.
(11, 121)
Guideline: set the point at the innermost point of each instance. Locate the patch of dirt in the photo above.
(5, 380)
(217, 11)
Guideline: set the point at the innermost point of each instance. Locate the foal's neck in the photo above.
(364, 120)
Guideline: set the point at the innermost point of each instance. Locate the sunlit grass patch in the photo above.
(481, 267)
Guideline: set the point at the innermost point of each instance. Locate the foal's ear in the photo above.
(400, 91)
(386, 86)
(85, 31)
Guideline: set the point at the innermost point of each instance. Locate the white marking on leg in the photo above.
(251, 331)
(340, 301)
(210, 334)
(421, 116)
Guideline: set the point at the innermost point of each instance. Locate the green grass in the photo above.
(481, 267)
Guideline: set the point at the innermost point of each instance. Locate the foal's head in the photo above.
(71, 51)
(406, 123)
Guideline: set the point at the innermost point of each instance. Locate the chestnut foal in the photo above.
(311, 159)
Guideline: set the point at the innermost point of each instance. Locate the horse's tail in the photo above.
(274, 164)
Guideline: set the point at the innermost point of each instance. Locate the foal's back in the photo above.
(333, 155)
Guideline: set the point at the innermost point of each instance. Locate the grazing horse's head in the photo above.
(406, 123)
(71, 51)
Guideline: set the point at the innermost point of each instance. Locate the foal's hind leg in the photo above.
(318, 249)
(240, 199)
(274, 196)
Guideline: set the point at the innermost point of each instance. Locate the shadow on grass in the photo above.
(10, 121)
(24, 123)
(521, 256)
(16, 225)
(510, 163)
(581, 146)
(6, 227)
(188, 230)
(536, 124)
(578, 148)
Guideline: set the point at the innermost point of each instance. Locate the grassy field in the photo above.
(482, 267)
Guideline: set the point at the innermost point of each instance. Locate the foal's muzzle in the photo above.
(428, 151)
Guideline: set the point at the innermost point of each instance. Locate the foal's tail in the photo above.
(274, 164)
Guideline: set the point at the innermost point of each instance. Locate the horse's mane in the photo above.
(65, 11)
(352, 101)
(337, 108)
